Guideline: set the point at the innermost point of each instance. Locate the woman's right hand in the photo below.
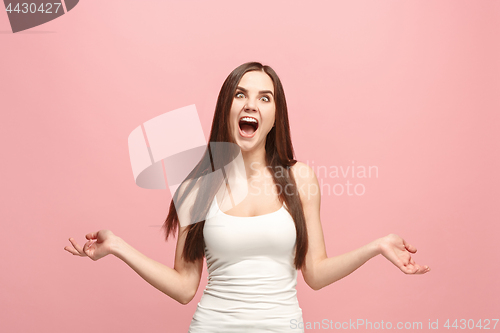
(99, 245)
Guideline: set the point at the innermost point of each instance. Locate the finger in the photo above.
(404, 266)
(76, 246)
(87, 246)
(72, 251)
(425, 269)
(409, 269)
(409, 247)
(421, 270)
(92, 235)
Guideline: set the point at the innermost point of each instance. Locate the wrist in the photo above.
(117, 246)
(376, 246)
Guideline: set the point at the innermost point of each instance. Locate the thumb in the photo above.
(92, 235)
(410, 247)
(86, 248)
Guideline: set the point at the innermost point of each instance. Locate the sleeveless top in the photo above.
(251, 275)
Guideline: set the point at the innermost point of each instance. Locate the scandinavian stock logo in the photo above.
(32, 13)
(172, 145)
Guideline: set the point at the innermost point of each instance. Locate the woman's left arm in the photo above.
(319, 270)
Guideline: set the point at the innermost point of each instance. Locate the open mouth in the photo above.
(248, 126)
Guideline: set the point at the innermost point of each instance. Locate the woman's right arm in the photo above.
(180, 282)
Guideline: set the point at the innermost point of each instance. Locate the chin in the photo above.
(246, 146)
(245, 149)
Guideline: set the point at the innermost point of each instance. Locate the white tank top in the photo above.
(251, 274)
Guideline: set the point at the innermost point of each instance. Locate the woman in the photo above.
(255, 247)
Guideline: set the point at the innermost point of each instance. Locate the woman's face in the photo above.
(254, 99)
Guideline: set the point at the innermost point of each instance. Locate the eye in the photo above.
(266, 99)
(239, 94)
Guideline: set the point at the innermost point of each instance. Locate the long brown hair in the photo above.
(279, 159)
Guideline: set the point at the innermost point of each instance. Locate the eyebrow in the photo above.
(260, 92)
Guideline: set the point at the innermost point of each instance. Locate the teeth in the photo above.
(249, 119)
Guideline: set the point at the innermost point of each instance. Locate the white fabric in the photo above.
(252, 278)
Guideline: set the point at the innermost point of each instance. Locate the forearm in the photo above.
(160, 276)
(333, 269)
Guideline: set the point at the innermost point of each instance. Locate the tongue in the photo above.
(247, 129)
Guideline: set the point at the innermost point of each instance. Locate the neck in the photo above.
(255, 161)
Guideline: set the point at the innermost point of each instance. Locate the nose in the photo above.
(250, 105)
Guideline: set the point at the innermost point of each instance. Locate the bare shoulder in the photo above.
(305, 178)
(188, 191)
(303, 173)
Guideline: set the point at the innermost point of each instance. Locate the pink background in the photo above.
(408, 86)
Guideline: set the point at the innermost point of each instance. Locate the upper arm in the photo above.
(310, 197)
(190, 272)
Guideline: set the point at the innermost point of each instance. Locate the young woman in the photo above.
(254, 246)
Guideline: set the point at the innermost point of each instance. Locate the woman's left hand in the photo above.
(397, 251)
